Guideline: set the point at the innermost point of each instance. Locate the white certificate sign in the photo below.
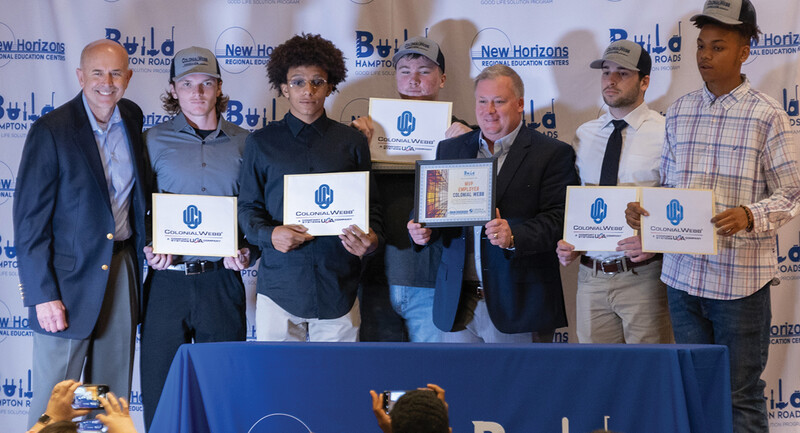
(679, 221)
(195, 225)
(407, 130)
(594, 219)
(327, 203)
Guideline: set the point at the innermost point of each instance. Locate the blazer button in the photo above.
(110, 236)
(104, 267)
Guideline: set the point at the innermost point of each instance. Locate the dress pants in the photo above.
(200, 308)
(273, 323)
(107, 352)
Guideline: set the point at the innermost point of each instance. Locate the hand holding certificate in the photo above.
(407, 130)
(679, 221)
(195, 225)
(325, 204)
(594, 219)
(455, 193)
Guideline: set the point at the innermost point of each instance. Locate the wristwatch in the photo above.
(44, 419)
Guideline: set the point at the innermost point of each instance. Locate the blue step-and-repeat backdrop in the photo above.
(549, 42)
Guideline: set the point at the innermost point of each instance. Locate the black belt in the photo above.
(615, 266)
(473, 288)
(198, 266)
(121, 245)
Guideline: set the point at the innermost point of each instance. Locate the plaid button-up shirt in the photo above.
(740, 146)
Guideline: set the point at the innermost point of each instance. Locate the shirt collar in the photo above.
(634, 119)
(180, 123)
(296, 125)
(501, 145)
(729, 99)
(115, 116)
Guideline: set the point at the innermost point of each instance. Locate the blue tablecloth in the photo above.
(553, 388)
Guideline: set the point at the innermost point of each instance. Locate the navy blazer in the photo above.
(63, 224)
(522, 288)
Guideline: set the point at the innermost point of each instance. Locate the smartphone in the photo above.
(86, 396)
(390, 398)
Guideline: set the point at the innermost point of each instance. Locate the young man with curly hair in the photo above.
(306, 286)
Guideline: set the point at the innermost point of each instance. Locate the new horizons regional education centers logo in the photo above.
(7, 183)
(491, 46)
(21, 48)
(237, 50)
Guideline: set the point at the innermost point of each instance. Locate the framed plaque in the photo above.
(327, 203)
(679, 221)
(594, 218)
(195, 225)
(407, 130)
(455, 193)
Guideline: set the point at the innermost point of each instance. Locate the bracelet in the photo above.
(749, 215)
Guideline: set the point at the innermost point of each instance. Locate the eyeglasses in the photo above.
(300, 83)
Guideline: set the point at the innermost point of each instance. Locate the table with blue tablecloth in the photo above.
(553, 388)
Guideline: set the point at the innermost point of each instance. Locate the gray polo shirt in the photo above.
(185, 163)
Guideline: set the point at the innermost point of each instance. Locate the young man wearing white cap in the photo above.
(736, 141)
(620, 297)
(419, 75)
(192, 299)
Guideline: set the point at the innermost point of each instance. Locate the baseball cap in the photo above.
(732, 12)
(422, 46)
(627, 54)
(194, 60)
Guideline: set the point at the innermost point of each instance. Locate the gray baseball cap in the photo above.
(732, 12)
(422, 46)
(194, 60)
(627, 54)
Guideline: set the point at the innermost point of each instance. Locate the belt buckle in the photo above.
(193, 268)
(622, 265)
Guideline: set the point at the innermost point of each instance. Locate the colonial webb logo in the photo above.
(674, 212)
(663, 50)
(491, 46)
(20, 48)
(599, 210)
(406, 123)
(192, 217)
(236, 50)
(146, 53)
(323, 196)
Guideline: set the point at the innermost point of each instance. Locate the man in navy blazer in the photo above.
(500, 282)
(79, 214)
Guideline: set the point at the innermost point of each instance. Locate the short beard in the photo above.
(623, 101)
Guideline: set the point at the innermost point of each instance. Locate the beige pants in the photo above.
(628, 307)
(273, 323)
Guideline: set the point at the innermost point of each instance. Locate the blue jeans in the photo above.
(743, 326)
(415, 306)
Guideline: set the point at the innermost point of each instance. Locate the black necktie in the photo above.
(608, 174)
